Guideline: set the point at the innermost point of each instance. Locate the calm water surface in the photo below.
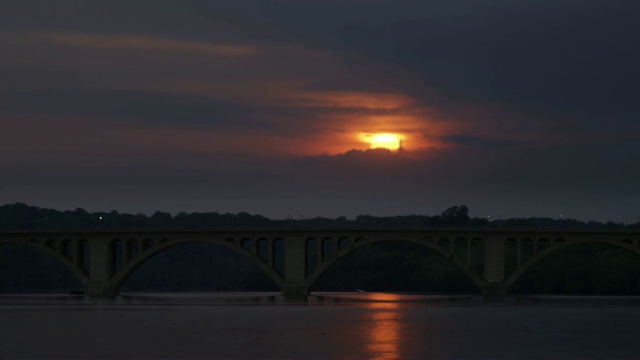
(331, 326)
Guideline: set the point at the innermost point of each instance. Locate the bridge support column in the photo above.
(295, 292)
(295, 257)
(493, 288)
(494, 291)
(100, 269)
(101, 291)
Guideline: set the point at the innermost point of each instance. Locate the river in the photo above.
(329, 326)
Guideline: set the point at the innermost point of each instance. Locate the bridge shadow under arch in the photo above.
(193, 266)
(27, 268)
(586, 267)
(401, 265)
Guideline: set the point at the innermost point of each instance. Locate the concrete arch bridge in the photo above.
(102, 260)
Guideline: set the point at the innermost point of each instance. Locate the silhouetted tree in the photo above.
(456, 215)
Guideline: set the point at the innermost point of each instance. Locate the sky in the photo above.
(514, 108)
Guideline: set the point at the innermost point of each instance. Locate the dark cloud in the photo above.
(478, 141)
(528, 107)
(127, 106)
(24, 79)
(355, 166)
(158, 17)
(169, 109)
(566, 59)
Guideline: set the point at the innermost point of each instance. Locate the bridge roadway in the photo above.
(102, 260)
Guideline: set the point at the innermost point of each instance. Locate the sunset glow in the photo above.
(385, 141)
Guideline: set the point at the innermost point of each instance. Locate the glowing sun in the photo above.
(386, 141)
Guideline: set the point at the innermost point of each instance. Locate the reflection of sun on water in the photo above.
(384, 333)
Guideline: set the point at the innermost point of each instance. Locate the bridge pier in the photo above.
(100, 271)
(493, 291)
(101, 291)
(295, 267)
(295, 292)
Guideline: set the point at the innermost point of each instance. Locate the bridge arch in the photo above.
(68, 252)
(550, 246)
(428, 242)
(245, 246)
(96, 271)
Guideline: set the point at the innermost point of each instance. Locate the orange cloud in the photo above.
(127, 42)
(358, 115)
(349, 99)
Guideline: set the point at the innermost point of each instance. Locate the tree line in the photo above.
(19, 216)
